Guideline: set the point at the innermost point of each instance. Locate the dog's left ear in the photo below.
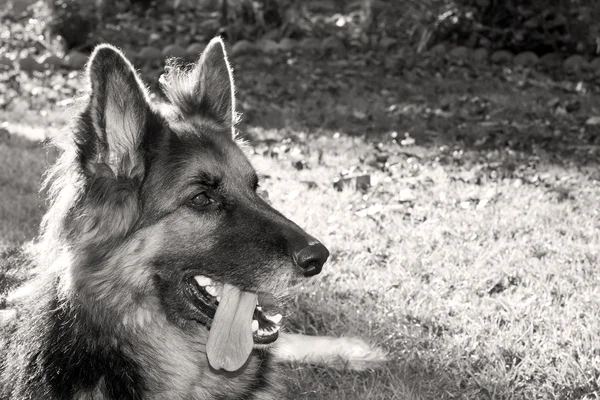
(213, 83)
(119, 110)
(207, 90)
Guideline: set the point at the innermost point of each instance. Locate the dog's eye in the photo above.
(201, 200)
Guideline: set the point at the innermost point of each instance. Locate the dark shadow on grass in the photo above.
(421, 365)
(479, 110)
(405, 376)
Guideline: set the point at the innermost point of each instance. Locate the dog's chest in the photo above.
(176, 367)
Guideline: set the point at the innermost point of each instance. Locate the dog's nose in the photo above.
(310, 259)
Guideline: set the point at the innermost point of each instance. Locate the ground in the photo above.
(469, 253)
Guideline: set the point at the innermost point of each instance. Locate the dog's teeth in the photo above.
(211, 290)
(203, 280)
(276, 319)
(269, 332)
(259, 308)
(254, 325)
(218, 298)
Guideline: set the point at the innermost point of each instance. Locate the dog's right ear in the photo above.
(118, 111)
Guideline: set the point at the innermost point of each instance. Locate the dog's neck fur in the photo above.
(176, 354)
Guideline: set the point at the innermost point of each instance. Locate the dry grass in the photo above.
(478, 291)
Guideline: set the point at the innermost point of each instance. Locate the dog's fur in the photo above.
(106, 315)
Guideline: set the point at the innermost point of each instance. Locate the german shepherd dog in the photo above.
(159, 269)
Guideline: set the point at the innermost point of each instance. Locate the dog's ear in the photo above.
(118, 112)
(207, 90)
(214, 83)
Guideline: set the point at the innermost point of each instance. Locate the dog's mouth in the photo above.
(237, 321)
(265, 327)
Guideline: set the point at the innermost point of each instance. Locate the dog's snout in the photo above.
(311, 258)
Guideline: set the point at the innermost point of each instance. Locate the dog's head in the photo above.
(168, 206)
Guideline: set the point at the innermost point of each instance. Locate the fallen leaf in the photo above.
(370, 211)
(310, 184)
(406, 195)
(408, 141)
(299, 164)
(359, 114)
(360, 182)
(593, 121)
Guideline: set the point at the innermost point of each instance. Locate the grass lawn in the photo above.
(476, 270)
(483, 290)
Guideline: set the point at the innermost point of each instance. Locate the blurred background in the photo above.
(446, 152)
(367, 67)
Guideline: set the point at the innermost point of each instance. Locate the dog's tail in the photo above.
(339, 353)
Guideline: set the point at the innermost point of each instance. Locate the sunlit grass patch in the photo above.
(483, 290)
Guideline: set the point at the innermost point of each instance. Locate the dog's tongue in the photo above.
(230, 338)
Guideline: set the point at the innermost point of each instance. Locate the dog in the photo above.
(159, 272)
